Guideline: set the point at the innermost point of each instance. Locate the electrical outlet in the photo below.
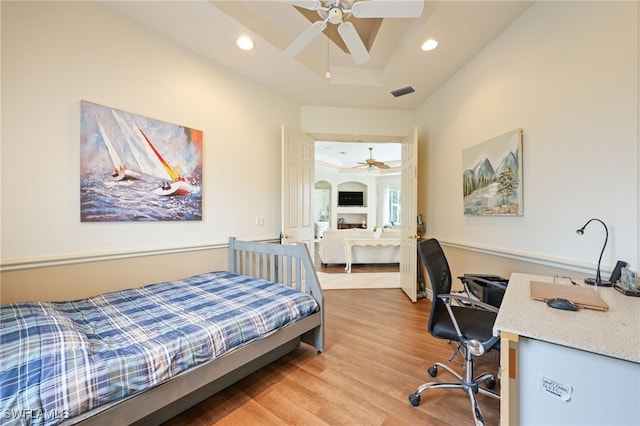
(259, 221)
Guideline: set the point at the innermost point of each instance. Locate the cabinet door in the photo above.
(564, 386)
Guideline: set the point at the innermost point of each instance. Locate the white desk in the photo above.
(595, 353)
(350, 242)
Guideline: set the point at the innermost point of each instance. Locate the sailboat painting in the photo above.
(492, 176)
(135, 168)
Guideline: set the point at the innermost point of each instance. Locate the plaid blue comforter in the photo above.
(58, 360)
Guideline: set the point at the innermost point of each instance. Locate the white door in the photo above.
(298, 162)
(408, 215)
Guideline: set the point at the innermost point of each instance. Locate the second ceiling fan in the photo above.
(371, 162)
(337, 12)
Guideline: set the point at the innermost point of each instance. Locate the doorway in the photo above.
(321, 207)
(297, 149)
(360, 195)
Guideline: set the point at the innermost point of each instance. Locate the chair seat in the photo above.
(473, 322)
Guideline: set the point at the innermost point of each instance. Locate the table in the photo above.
(577, 365)
(350, 242)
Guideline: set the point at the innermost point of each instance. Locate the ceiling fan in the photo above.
(371, 162)
(337, 12)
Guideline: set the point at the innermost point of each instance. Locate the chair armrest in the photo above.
(469, 301)
(499, 282)
(446, 298)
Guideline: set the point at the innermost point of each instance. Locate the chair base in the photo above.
(468, 384)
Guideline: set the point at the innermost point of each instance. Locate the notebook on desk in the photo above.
(584, 297)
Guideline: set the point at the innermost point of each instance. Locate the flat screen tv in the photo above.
(351, 198)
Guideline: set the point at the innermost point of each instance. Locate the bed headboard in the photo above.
(287, 264)
(290, 265)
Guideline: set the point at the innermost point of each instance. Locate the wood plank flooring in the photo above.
(376, 353)
(336, 268)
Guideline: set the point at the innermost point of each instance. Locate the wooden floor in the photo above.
(359, 267)
(376, 353)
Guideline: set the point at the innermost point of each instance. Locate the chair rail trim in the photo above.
(536, 258)
(7, 265)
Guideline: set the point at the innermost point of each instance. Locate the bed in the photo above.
(143, 355)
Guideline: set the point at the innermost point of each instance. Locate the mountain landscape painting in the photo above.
(492, 176)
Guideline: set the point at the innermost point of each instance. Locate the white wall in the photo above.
(349, 124)
(567, 73)
(55, 54)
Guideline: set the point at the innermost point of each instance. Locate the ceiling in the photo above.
(344, 157)
(210, 29)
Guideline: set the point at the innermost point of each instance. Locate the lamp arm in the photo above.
(606, 238)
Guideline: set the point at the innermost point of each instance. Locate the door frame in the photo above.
(411, 263)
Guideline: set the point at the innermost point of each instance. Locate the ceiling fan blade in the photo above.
(305, 38)
(305, 4)
(381, 165)
(354, 43)
(388, 9)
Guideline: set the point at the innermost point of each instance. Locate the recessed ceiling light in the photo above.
(429, 45)
(245, 43)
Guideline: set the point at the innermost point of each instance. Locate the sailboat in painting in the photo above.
(121, 172)
(179, 186)
(151, 162)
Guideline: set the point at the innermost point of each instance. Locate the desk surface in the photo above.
(612, 333)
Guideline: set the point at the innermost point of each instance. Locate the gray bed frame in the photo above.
(287, 264)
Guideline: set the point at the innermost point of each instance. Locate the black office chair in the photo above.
(467, 321)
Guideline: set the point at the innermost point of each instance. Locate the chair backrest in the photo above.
(435, 262)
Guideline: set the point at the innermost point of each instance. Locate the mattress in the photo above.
(61, 359)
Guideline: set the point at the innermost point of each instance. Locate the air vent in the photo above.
(402, 91)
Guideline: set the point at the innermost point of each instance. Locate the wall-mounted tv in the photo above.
(351, 198)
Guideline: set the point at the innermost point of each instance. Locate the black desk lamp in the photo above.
(597, 280)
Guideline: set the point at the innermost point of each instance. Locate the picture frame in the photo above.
(136, 168)
(492, 176)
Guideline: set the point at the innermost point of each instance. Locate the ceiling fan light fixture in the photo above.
(429, 45)
(337, 12)
(335, 15)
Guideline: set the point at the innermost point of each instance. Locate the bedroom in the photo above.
(581, 146)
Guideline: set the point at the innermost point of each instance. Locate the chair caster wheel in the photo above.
(433, 371)
(491, 383)
(414, 399)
